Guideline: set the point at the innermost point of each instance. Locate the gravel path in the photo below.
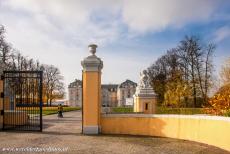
(65, 134)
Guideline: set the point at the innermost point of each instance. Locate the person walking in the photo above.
(60, 111)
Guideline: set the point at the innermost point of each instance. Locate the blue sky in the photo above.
(131, 34)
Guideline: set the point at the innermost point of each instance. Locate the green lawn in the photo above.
(122, 109)
(162, 110)
(159, 110)
(54, 110)
(165, 110)
(186, 111)
(46, 110)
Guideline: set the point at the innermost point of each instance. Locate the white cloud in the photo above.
(222, 33)
(62, 19)
(156, 15)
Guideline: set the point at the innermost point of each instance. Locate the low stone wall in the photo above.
(212, 130)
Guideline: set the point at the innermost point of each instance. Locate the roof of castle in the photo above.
(105, 86)
(75, 83)
(127, 83)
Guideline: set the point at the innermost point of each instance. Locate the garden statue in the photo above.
(144, 80)
(145, 97)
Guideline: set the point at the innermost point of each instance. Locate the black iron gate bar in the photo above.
(22, 101)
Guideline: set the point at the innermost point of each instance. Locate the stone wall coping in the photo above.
(196, 116)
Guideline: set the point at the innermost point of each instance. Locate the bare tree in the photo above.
(53, 84)
(225, 72)
(189, 66)
(5, 50)
(12, 59)
(208, 70)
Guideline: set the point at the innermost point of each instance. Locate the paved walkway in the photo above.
(66, 134)
(70, 124)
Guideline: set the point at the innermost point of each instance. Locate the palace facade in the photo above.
(75, 93)
(113, 95)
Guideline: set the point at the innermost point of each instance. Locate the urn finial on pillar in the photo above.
(92, 48)
(92, 62)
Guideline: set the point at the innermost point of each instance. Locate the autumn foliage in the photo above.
(220, 102)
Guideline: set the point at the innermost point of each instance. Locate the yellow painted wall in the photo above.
(1, 117)
(91, 101)
(1, 104)
(205, 129)
(15, 118)
(7, 103)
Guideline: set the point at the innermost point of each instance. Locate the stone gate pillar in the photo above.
(92, 66)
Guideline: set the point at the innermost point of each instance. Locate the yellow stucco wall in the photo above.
(205, 129)
(91, 95)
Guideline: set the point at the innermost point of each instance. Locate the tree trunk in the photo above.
(193, 83)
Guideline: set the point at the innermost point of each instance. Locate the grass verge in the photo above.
(163, 110)
(54, 110)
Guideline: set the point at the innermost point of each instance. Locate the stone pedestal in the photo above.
(145, 98)
(92, 66)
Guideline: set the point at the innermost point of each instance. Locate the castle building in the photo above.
(125, 93)
(112, 95)
(109, 95)
(75, 93)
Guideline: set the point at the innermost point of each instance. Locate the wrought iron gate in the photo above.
(22, 101)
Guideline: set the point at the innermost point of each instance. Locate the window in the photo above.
(128, 93)
(122, 94)
(146, 106)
